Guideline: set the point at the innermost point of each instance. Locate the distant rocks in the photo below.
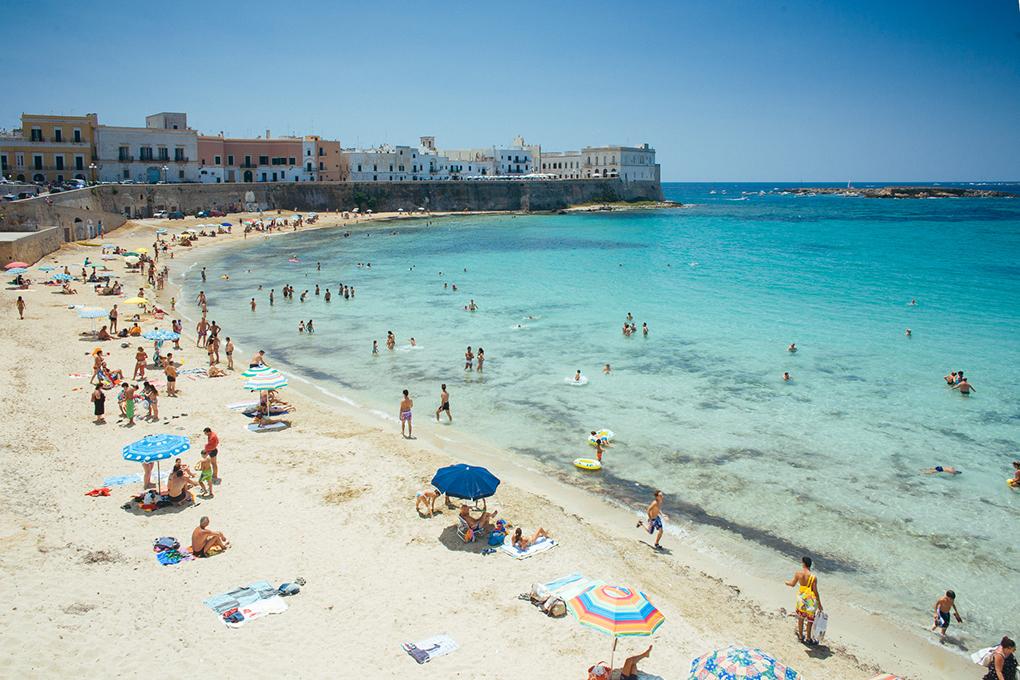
(904, 192)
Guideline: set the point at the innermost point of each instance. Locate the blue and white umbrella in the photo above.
(156, 447)
(91, 313)
(62, 277)
(161, 334)
(14, 271)
(46, 268)
(226, 224)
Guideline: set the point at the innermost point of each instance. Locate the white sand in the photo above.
(330, 500)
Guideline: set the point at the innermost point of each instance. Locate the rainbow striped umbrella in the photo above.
(616, 611)
(887, 676)
(740, 663)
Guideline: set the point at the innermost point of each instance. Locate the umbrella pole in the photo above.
(160, 491)
(612, 655)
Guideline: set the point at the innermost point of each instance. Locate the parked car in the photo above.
(176, 215)
(25, 194)
(202, 213)
(10, 197)
(160, 214)
(55, 190)
(217, 213)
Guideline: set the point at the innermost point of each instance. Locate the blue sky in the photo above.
(769, 90)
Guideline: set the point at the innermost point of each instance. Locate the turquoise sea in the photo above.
(827, 464)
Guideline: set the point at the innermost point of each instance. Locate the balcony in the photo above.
(125, 159)
(45, 142)
(182, 159)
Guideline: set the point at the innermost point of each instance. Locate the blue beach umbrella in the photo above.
(465, 481)
(161, 334)
(226, 224)
(92, 314)
(14, 271)
(46, 268)
(156, 447)
(62, 277)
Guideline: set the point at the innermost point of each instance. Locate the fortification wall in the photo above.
(114, 203)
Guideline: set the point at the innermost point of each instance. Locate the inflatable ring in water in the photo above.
(570, 381)
(587, 464)
(1012, 483)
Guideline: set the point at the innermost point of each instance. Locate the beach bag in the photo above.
(554, 607)
(539, 593)
(469, 535)
(984, 657)
(497, 537)
(166, 543)
(600, 671)
(818, 630)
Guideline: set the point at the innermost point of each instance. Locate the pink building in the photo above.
(224, 159)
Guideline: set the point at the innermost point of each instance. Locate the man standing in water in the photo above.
(964, 387)
(444, 404)
(406, 404)
(655, 518)
(809, 602)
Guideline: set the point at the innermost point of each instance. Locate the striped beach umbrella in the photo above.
(887, 676)
(161, 334)
(617, 611)
(740, 663)
(264, 383)
(14, 271)
(156, 447)
(256, 371)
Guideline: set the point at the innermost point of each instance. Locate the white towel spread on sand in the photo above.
(437, 645)
(539, 546)
(258, 609)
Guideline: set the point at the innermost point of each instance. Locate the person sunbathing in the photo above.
(104, 334)
(205, 542)
(522, 543)
(67, 290)
(263, 420)
(178, 488)
(215, 372)
(629, 670)
(482, 522)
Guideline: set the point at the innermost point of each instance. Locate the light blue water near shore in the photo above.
(827, 464)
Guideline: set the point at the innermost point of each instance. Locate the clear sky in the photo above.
(758, 90)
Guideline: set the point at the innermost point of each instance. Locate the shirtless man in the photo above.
(804, 578)
(113, 319)
(201, 298)
(943, 606)
(230, 354)
(253, 304)
(203, 539)
(964, 387)
(129, 403)
(202, 328)
(655, 518)
(258, 359)
(171, 375)
(140, 358)
(444, 404)
(938, 469)
(469, 357)
(406, 404)
(482, 522)
(792, 347)
(177, 488)
(950, 378)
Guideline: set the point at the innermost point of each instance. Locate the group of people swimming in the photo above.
(630, 328)
(957, 381)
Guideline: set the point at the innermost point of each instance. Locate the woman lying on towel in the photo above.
(263, 420)
(522, 543)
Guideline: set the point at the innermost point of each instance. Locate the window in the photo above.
(308, 152)
(290, 161)
(230, 160)
(308, 166)
(3, 162)
(59, 161)
(322, 166)
(247, 161)
(322, 152)
(179, 153)
(263, 160)
(359, 167)
(19, 160)
(58, 135)
(79, 162)
(77, 135)
(127, 174)
(122, 154)
(36, 134)
(145, 153)
(216, 160)
(375, 168)
(180, 175)
(164, 153)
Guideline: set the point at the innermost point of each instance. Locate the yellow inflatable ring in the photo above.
(587, 464)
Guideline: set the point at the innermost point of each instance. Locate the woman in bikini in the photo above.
(522, 543)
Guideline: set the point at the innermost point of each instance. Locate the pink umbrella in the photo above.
(15, 265)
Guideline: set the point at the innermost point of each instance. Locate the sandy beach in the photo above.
(331, 500)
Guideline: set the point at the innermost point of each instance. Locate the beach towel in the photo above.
(192, 371)
(434, 647)
(170, 557)
(242, 596)
(242, 405)
(104, 491)
(256, 610)
(539, 546)
(252, 427)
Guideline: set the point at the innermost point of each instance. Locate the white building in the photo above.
(388, 164)
(561, 164)
(166, 150)
(629, 163)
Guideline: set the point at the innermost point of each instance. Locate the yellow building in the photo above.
(50, 148)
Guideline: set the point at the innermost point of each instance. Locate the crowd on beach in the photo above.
(182, 481)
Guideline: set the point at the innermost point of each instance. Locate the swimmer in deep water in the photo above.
(786, 376)
(606, 370)
(908, 333)
(938, 469)
(792, 347)
(577, 376)
(375, 347)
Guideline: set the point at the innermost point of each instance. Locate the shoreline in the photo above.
(685, 584)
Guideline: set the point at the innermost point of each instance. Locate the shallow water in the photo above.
(826, 464)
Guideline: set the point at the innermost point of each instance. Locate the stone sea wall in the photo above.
(115, 203)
